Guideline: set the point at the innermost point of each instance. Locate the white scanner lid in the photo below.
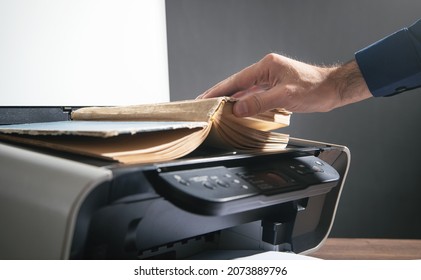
(83, 52)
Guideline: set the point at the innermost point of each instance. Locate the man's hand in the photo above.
(280, 82)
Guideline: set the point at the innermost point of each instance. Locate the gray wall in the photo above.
(211, 39)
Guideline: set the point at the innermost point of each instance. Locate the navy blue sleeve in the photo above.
(393, 64)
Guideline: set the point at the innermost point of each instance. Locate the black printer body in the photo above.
(72, 207)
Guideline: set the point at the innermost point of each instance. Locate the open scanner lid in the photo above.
(61, 54)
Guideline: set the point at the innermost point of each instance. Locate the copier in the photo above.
(60, 206)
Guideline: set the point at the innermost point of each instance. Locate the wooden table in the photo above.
(369, 249)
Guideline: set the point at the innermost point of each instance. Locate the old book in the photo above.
(155, 132)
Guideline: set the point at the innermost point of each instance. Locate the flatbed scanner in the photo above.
(61, 206)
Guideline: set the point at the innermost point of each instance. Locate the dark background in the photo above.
(211, 39)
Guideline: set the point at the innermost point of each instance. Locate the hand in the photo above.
(280, 82)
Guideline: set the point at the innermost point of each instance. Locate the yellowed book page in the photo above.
(252, 134)
(175, 151)
(233, 135)
(139, 148)
(270, 120)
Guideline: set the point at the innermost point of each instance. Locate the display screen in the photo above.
(275, 179)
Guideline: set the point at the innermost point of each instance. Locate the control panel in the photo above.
(268, 182)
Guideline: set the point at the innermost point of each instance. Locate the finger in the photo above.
(259, 102)
(250, 91)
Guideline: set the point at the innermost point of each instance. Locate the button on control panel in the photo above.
(224, 184)
(218, 184)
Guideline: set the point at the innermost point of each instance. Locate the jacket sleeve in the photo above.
(393, 64)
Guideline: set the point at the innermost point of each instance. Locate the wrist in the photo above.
(349, 85)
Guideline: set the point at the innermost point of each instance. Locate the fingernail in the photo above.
(240, 109)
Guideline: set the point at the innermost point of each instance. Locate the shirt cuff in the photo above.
(393, 64)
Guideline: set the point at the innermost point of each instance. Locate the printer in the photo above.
(62, 206)
(209, 204)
